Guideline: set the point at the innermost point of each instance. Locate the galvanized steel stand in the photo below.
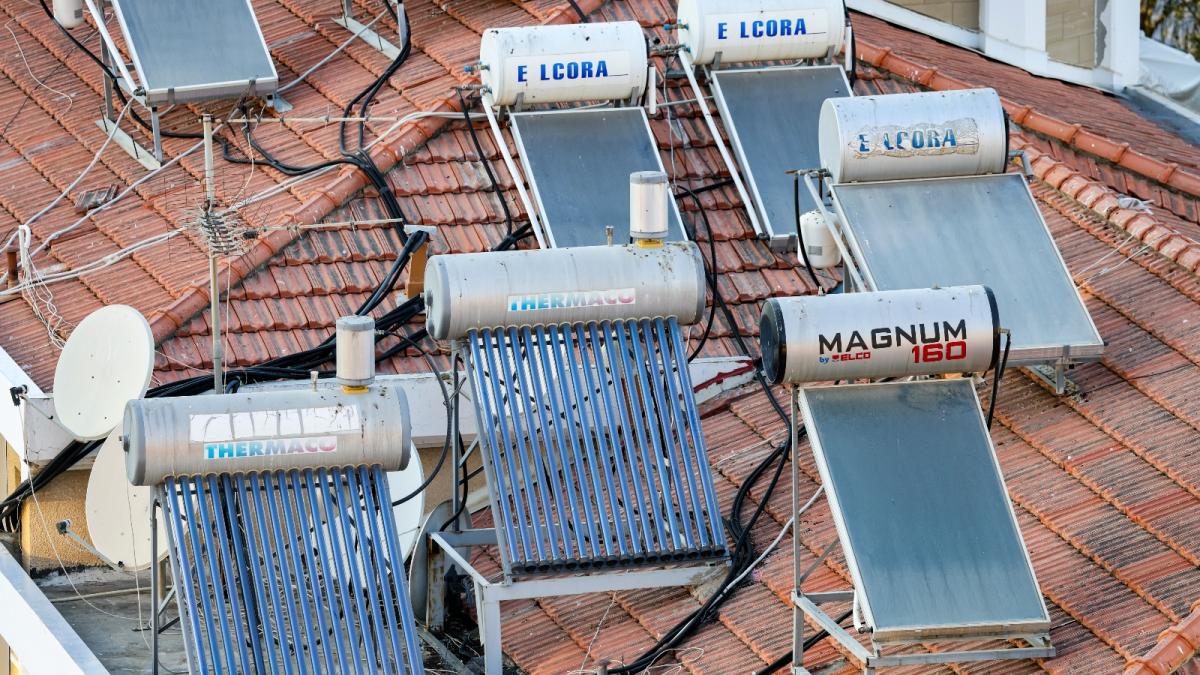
(808, 605)
(489, 594)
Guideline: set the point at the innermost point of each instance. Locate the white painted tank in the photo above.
(921, 135)
(873, 335)
(760, 30)
(579, 62)
(468, 291)
(265, 431)
(822, 250)
(69, 13)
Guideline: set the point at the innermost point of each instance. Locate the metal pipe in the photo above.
(525, 459)
(564, 459)
(214, 287)
(528, 401)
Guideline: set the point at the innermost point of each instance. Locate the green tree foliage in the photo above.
(1175, 22)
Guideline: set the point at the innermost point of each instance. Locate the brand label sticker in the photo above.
(270, 447)
(956, 137)
(570, 300)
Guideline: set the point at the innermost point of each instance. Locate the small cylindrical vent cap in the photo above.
(648, 205)
(355, 351)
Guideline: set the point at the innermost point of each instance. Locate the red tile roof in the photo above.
(1106, 484)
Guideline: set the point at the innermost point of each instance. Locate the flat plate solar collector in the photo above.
(974, 230)
(185, 50)
(922, 512)
(771, 117)
(578, 163)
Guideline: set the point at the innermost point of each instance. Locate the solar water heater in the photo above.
(577, 160)
(919, 198)
(595, 460)
(762, 60)
(183, 51)
(922, 515)
(284, 551)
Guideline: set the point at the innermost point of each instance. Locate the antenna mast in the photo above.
(214, 288)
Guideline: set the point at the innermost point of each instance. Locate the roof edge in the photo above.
(1102, 201)
(1168, 174)
(1176, 645)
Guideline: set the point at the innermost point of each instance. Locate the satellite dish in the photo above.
(118, 514)
(408, 515)
(107, 361)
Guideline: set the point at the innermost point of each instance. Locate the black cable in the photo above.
(999, 375)
(779, 663)
(447, 401)
(466, 478)
(710, 268)
(583, 18)
(812, 274)
(487, 162)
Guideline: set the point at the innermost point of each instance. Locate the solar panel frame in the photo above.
(587, 128)
(867, 579)
(150, 60)
(745, 136)
(926, 266)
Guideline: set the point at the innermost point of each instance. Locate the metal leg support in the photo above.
(154, 588)
(489, 631)
(156, 128)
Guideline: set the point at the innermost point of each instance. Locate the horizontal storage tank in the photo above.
(468, 291)
(760, 30)
(923, 135)
(265, 431)
(885, 334)
(549, 64)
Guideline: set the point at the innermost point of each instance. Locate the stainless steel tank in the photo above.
(885, 334)
(922, 135)
(267, 430)
(562, 285)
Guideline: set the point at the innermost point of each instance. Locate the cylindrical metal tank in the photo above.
(760, 30)
(885, 334)
(68, 13)
(579, 62)
(264, 431)
(818, 241)
(648, 205)
(468, 291)
(355, 351)
(923, 135)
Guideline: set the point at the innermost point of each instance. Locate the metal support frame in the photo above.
(689, 70)
(487, 102)
(489, 594)
(363, 32)
(807, 605)
(111, 56)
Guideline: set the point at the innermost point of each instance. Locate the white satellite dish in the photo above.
(107, 362)
(408, 515)
(118, 514)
